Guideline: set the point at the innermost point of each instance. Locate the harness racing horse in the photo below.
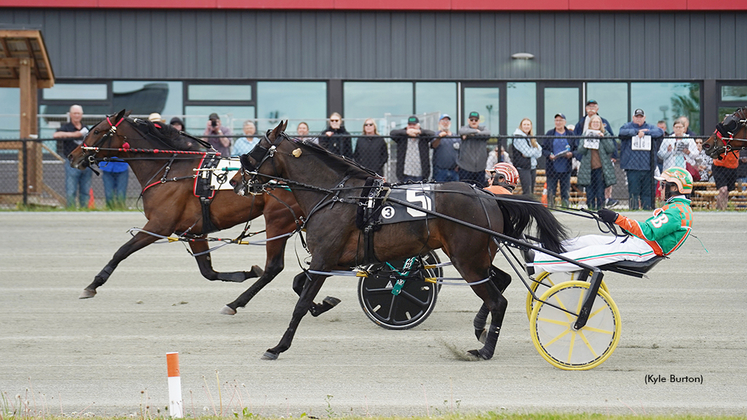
(165, 162)
(730, 135)
(329, 189)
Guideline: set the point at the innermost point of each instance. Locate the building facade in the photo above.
(301, 62)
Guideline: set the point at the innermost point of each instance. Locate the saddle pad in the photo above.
(419, 195)
(214, 176)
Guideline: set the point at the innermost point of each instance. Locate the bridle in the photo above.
(260, 154)
(107, 137)
(725, 131)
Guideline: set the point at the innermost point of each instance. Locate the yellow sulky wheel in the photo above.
(544, 282)
(559, 343)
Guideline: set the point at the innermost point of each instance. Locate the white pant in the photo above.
(594, 250)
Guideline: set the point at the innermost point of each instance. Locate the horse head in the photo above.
(260, 161)
(103, 134)
(733, 128)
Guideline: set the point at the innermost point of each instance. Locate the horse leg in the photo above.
(309, 292)
(501, 280)
(204, 261)
(138, 242)
(496, 304)
(316, 309)
(274, 264)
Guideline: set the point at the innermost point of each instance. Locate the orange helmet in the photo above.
(505, 174)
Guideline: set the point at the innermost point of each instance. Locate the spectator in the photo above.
(115, 174)
(303, 134)
(558, 152)
(592, 109)
(156, 118)
(742, 170)
(663, 125)
(335, 138)
(725, 175)
(526, 151)
(679, 149)
(413, 163)
(596, 171)
(244, 145)
(703, 162)
(445, 152)
(370, 149)
(177, 123)
(71, 134)
(473, 151)
(219, 141)
(497, 155)
(686, 121)
(637, 143)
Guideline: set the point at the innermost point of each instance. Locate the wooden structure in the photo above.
(24, 64)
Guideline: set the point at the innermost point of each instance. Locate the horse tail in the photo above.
(518, 213)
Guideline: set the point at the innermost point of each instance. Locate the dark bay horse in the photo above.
(328, 189)
(730, 135)
(164, 162)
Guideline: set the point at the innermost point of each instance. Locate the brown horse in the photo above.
(730, 135)
(329, 189)
(164, 162)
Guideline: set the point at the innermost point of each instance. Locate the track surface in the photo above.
(107, 355)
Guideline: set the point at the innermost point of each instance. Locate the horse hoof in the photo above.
(331, 301)
(227, 310)
(328, 303)
(269, 356)
(87, 294)
(477, 354)
(257, 271)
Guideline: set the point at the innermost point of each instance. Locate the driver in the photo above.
(502, 178)
(659, 235)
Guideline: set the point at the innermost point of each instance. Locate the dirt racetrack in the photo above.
(107, 355)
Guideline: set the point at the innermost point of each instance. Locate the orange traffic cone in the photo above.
(544, 195)
(91, 200)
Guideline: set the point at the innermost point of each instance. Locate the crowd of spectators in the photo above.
(588, 150)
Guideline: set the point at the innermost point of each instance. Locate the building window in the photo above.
(667, 102)
(231, 116)
(733, 93)
(521, 102)
(10, 104)
(219, 92)
(486, 102)
(145, 97)
(77, 92)
(292, 101)
(390, 103)
(438, 98)
(613, 103)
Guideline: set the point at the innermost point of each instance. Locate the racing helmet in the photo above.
(506, 171)
(678, 176)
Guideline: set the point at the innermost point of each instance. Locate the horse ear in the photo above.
(121, 114)
(285, 124)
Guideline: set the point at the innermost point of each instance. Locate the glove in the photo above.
(84, 131)
(608, 216)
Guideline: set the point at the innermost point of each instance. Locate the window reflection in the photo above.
(374, 100)
(521, 102)
(76, 91)
(144, 97)
(292, 101)
(667, 101)
(734, 93)
(219, 92)
(484, 100)
(438, 98)
(613, 103)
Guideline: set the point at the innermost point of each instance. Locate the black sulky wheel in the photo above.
(407, 309)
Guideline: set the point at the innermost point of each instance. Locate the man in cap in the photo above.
(592, 109)
(218, 134)
(413, 163)
(156, 118)
(445, 151)
(558, 152)
(473, 152)
(638, 143)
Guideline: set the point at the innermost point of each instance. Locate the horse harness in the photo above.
(725, 130)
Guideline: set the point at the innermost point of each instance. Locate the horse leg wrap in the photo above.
(487, 351)
(480, 320)
(500, 279)
(104, 274)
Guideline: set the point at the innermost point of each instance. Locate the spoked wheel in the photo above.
(400, 311)
(544, 282)
(556, 339)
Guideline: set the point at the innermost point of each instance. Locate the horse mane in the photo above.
(336, 162)
(166, 134)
